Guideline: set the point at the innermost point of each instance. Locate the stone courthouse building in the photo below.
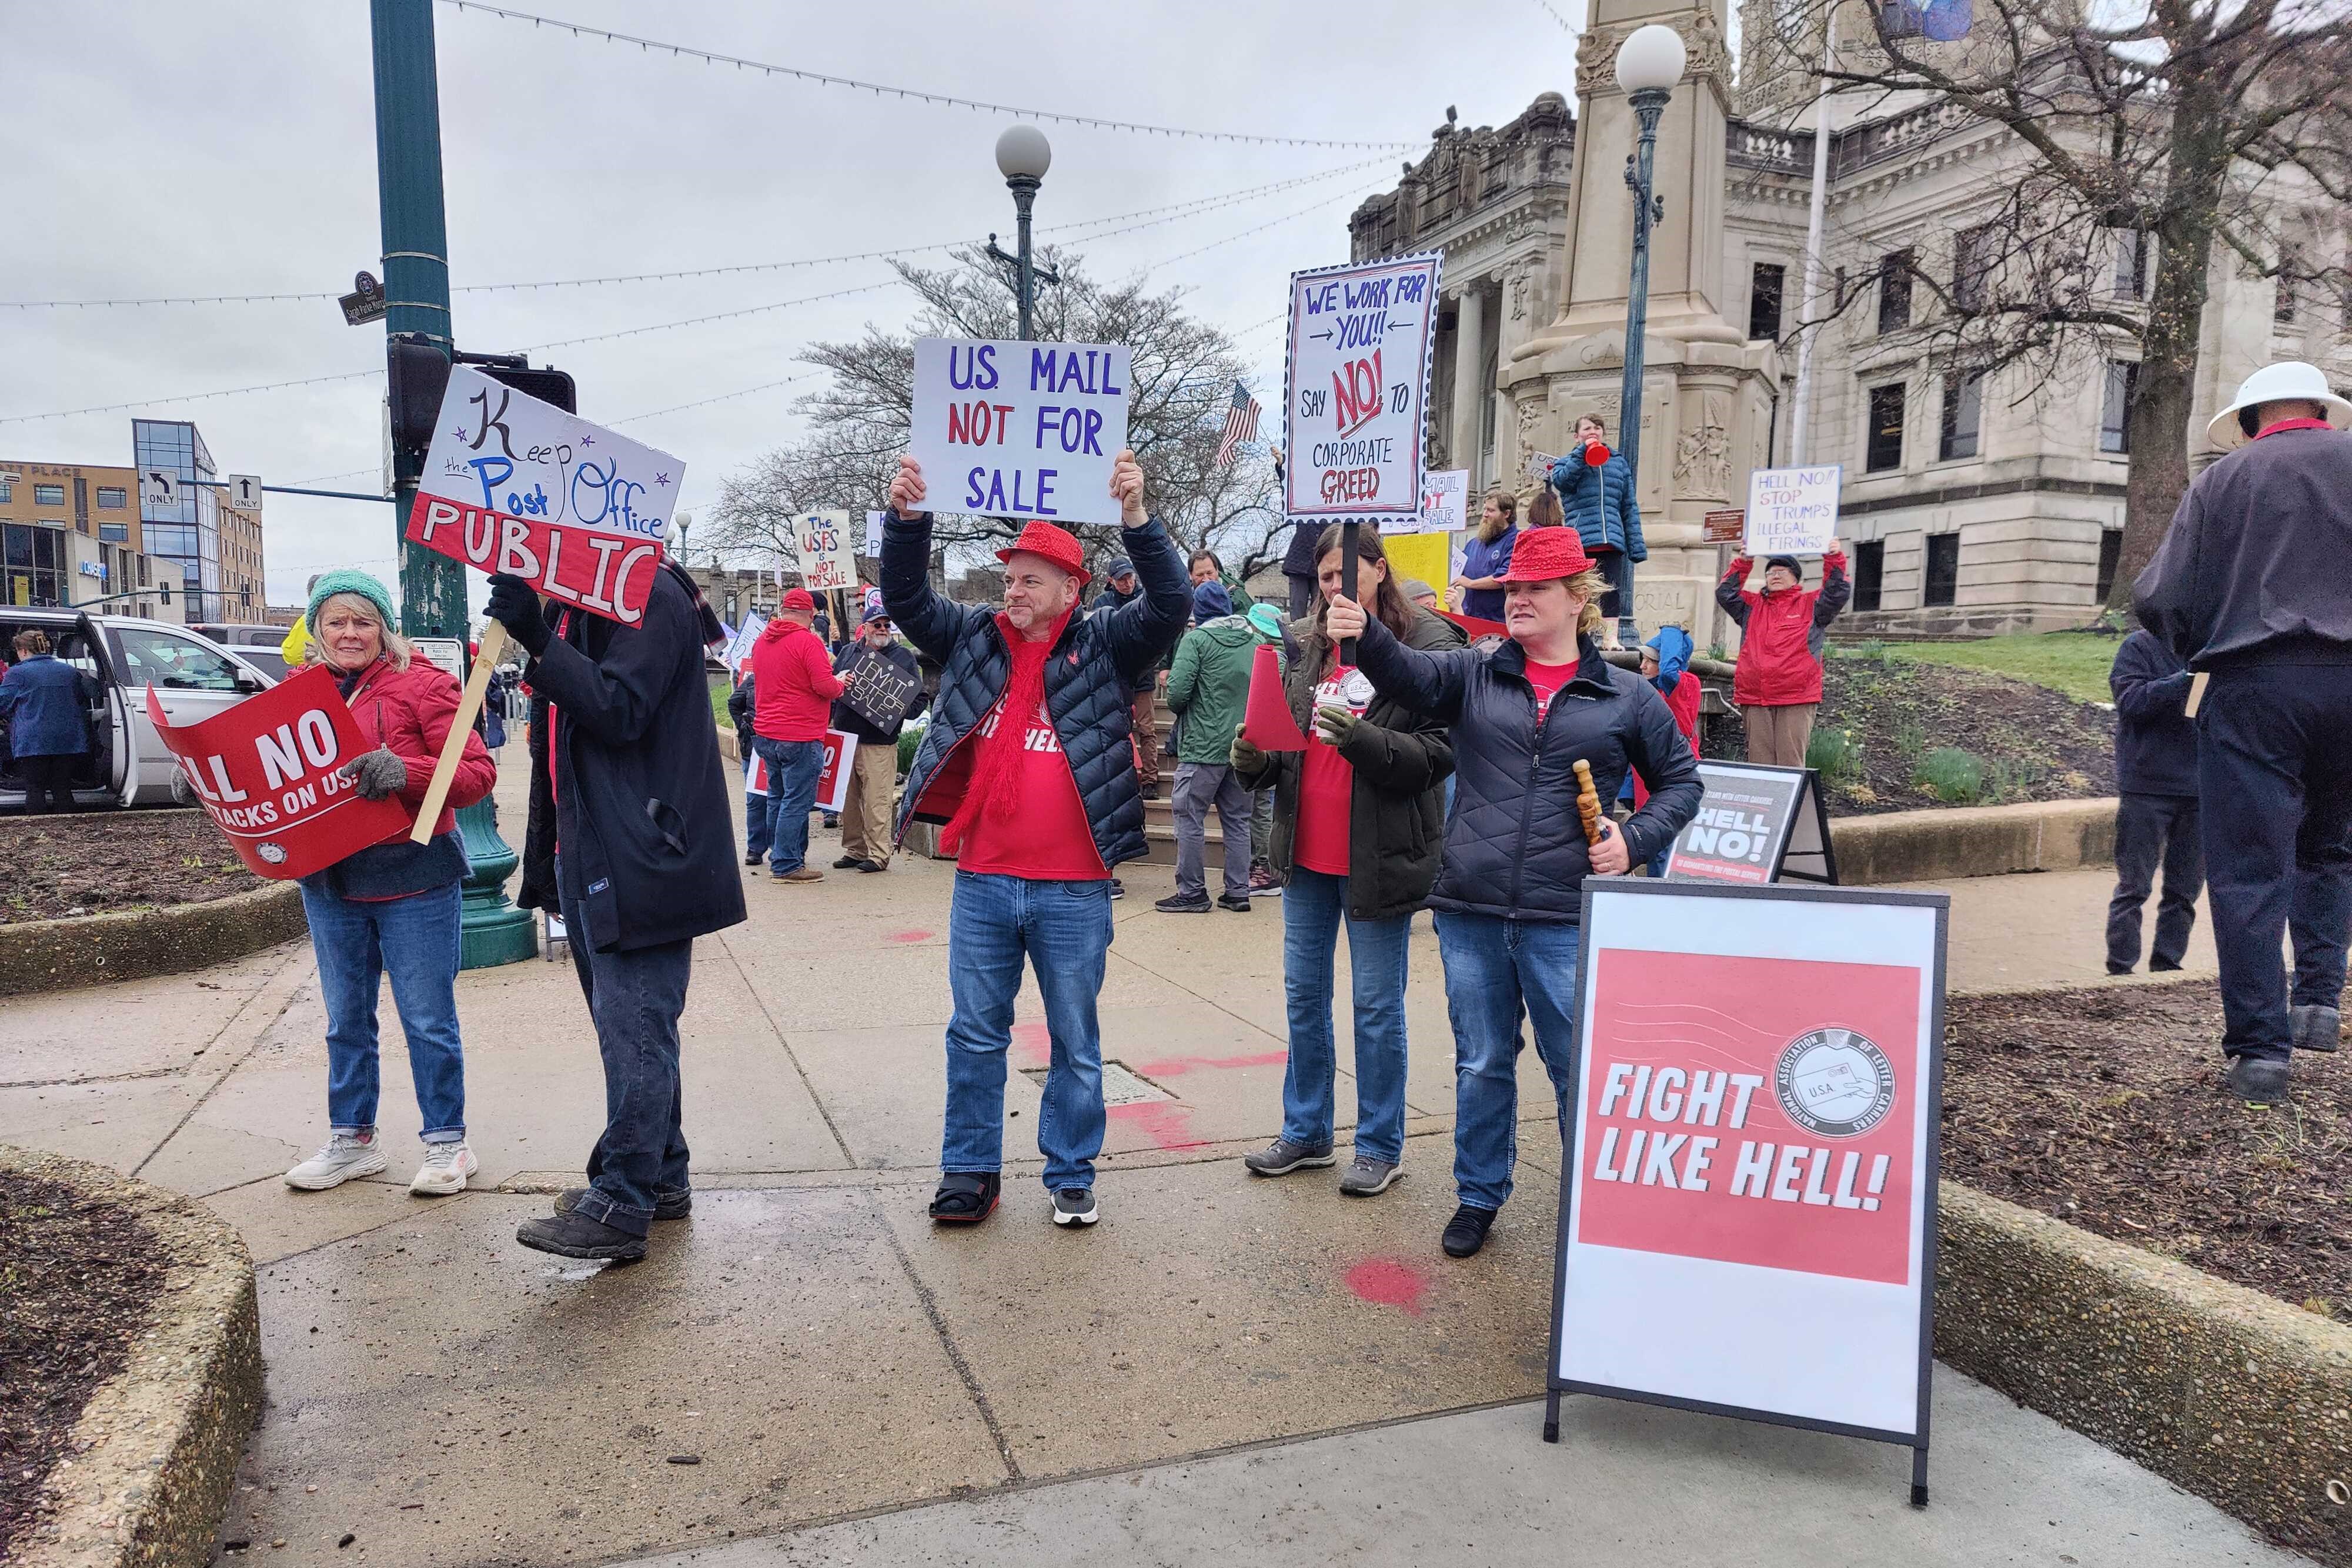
(1972, 504)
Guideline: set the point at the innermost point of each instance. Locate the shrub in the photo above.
(1834, 755)
(908, 738)
(1910, 739)
(1952, 776)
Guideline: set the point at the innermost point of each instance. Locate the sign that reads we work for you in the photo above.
(1020, 429)
(515, 485)
(1358, 384)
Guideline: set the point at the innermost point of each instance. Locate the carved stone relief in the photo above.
(1703, 454)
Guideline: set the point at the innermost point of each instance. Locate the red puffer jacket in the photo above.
(408, 713)
(1782, 635)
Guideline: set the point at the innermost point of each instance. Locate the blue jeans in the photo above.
(635, 997)
(755, 821)
(415, 940)
(793, 769)
(1493, 968)
(1063, 927)
(1312, 908)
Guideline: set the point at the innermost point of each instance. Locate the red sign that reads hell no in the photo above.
(269, 772)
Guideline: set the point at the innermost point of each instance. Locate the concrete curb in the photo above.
(1955, 841)
(2231, 1394)
(155, 1452)
(96, 949)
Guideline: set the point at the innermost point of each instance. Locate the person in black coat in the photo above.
(2156, 804)
(867, 810)
(626, 778)
(1510, 895)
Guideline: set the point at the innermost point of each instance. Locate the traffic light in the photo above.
(548, 386)
(419, 374)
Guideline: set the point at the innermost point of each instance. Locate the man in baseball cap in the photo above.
(1028, 762)
(2252, 588)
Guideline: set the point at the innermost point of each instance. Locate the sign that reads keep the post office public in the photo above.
(512, 484)
(1358, 383)
(1792, 511)
(1020, 429)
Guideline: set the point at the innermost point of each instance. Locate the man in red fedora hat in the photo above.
(792, 675)
(1028, 761)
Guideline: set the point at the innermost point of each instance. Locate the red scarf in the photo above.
(995, 785)
(2293, 424)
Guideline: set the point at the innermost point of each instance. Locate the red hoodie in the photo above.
(794, 684)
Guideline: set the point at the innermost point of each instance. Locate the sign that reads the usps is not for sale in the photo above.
(1792, 511)
(1020, 429)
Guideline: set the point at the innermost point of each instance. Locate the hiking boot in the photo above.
(1183, 903)
(444, 1170)
(1282, 1157)
(1237, 903)
(344, 1156)
(2315, 1028)
(2257, 1080)
(846, 862)
(966, 1197)
(666, 1205)
(870, 867)
(577, 1236)
(1369, 1177)
(1075, 1206)
(800, 875)
(1466, 1231)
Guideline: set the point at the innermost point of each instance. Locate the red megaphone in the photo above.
(1596, 455)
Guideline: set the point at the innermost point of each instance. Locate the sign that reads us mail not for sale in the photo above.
(1020, 429)
(515, 485)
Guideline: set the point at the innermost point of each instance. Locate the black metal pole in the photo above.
(1024, 196)
(1648, 104)
(1351, 579)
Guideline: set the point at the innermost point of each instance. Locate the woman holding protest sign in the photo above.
(393, 907)
(1359, 823)
(1524, 715)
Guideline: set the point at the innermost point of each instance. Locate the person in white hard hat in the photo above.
(2252, 587)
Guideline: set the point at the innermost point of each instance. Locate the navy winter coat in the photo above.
(46, 702)
(1515, 846)
(2156, 740)
(634, 788)
(1099, 661)
(1599, 503)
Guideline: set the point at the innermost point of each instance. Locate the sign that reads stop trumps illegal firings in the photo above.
(1020, 429)
(1357, 383)
(516, 485)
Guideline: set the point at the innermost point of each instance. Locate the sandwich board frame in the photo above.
(1800, 848)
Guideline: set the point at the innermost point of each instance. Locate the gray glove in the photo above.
(1247, 757)
(377, 774)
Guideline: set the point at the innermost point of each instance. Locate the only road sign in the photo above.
(245, 491)
(158, 487)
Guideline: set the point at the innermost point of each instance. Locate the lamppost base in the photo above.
(492, 930)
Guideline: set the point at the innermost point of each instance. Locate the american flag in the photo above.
(1241, 424)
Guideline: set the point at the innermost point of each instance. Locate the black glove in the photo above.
(514, 604)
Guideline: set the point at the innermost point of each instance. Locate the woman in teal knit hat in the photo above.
(392, 908)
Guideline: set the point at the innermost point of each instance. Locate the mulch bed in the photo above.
(91, 862)
(78, 1278)
(2104, 1108)
(2039, 744)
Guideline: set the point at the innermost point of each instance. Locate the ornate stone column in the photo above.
(1470, 388)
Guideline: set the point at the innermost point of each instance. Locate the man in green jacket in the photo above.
(1208, 688)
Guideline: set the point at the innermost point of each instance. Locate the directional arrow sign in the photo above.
(158, 487)
(245, 491)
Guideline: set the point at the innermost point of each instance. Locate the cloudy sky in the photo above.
(156, 148)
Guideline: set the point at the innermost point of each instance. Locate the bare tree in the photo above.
(2152, 139)
(1182, 385)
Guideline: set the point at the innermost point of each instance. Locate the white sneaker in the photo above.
(344, 1156)
(444, 1170)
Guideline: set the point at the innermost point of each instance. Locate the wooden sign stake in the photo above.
(478, 686)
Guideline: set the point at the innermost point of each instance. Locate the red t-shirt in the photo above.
(1327, 780)
(1548, 679)
(1049, 838)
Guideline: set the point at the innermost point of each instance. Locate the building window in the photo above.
(1963, 416)
(1894, 291)
(2115, 408)
(2131, 263)
(2283, 303)
(2111, 555)
(1764, 286)
(1901, 18)
(113, 498)
(1884, 446)
(1869, 573)
(49, 494)
(1974, 255)
(1943, 569)
(7, 491)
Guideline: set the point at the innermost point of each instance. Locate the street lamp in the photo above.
(1649, 63)
(1022, 156)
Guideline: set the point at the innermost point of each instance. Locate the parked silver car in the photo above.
(123, 655)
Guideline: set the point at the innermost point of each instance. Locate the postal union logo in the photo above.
(1835, 1083)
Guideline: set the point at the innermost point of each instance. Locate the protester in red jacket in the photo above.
(793, 679)
(1778, 682)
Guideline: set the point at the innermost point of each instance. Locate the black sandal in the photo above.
(966, 1197)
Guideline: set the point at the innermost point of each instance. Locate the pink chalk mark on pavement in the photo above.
(908, 937)
(1166, 1123)
(1173, 1066)
(1388, 1283)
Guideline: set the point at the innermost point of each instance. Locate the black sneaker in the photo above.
(1466, 1231)
(2122, 968)
(1151, 791)
(1075, 1206)
(1183, 903)
(871, 866)
(2257, 1080)
(1118, 888)
(846, 862)
(2159, 967)
(1229, 901)
(667, 1206)
(577, 1236)
(2315, 1028)
(759, 859)
(966, 1197)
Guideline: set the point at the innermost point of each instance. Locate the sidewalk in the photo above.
(824, 1351)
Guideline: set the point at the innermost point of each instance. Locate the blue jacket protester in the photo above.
(1599, 504)
(46, 702)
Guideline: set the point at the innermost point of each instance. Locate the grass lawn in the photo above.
(2076, 662)
(721, 688)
